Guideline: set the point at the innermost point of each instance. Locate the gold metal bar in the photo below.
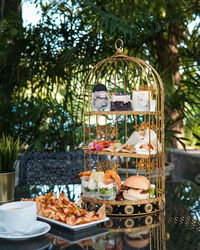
(116, 134)
(106, 132)
(115, 77)
(119, 113)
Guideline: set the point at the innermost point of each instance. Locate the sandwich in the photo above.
(137, 188)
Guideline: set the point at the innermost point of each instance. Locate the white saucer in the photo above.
(40, 228)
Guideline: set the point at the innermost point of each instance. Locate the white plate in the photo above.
(76, 227)
(40, 228)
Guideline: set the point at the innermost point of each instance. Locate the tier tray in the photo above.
(123, 154)
(125, 207)
(134, 224)
(121, 112)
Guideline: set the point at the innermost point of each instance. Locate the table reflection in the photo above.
(176, 227)
(137, 232)
(41, 242)
(146, 232)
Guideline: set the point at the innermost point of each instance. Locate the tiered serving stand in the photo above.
(122, 74)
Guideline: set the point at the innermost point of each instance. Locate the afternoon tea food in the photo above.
(137, 188)
(89, 184)
(145, 141)
(100, 185)
(109, 186)
(100, 98)
(99, 145)
(63, 210)
(120, 103)
(141, 101)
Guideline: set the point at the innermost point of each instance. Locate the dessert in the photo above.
(120, 103)
(141, 100)
(100, 98)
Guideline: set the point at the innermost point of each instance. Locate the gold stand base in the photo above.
(125, 207)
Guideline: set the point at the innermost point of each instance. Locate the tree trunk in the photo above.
(11, 11)
(168, 57)
(10, 6)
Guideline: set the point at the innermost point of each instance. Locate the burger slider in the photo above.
(137, 188)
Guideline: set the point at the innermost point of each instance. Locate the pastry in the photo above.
(144, 147)
(140, 139)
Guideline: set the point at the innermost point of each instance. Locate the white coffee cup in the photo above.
(18, 217)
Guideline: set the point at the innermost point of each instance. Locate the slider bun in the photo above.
(134, 195)
(137, 181)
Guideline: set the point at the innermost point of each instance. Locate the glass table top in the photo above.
(176, 227)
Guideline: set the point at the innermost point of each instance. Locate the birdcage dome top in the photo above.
(122, 74)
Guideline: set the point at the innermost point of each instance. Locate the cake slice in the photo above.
(120, 103)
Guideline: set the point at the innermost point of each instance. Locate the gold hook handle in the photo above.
(119, 49)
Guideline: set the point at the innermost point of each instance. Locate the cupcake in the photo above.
(100, 98)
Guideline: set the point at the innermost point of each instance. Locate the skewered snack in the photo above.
(63, 210)
(98, 145)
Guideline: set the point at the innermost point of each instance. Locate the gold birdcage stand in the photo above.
(122, 74)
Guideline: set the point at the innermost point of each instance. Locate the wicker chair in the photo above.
(50, 168)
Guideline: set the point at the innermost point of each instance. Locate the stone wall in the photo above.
(187, 164)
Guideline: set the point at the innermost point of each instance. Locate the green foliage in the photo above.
(185, 196)
(9, 153)
(193, 122)
(51, 126)
(43, 67)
